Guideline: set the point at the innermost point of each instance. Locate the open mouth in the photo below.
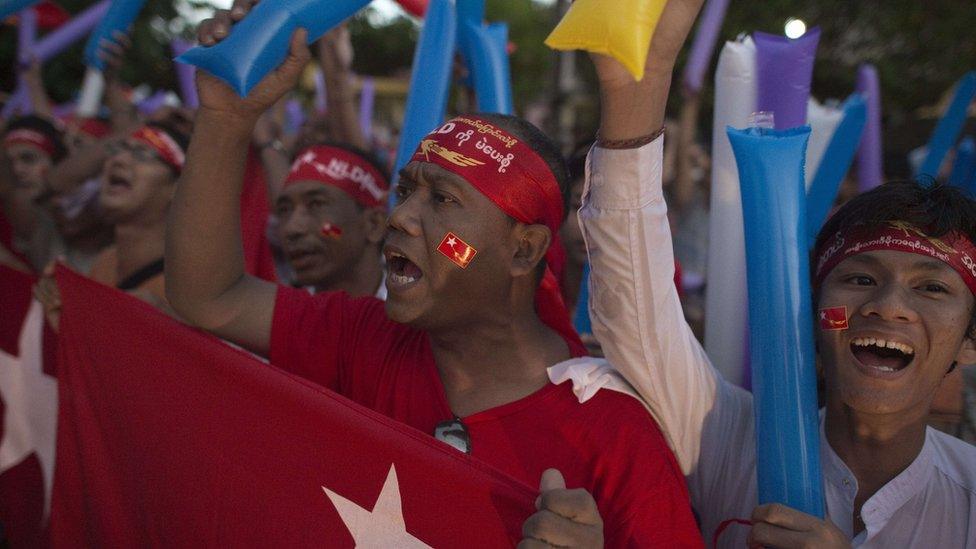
(118, 182)
(882, 355)
(300, 259)
(401, 271)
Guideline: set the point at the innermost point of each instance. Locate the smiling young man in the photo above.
(472, 344)
(895, 276)
(331, 215)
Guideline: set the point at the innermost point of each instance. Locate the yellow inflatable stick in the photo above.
(621, 28)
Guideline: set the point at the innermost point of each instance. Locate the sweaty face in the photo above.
(426, 288)
(135, 182)
(29, 164)
(908, 318)
(323, 232)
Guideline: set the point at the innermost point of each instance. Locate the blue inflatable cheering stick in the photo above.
(784, 383)
(835, 164)
(484, 48)
(120, 16)
(964, 168)
(430, 82)
(949, 127)
(259, 42)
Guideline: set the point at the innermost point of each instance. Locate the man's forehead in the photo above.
(432, 174)
(898, 261)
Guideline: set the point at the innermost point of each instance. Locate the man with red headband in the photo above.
(895, 277)
(331, 219)
(474, 346)
(31, 146)
(138, 181)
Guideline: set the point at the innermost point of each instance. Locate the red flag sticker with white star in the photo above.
(833, 318)
(457, 250)
(330, 231)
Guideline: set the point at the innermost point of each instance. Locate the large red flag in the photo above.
(167, 436)
(28, 401)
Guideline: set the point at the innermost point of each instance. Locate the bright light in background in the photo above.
(795, 28)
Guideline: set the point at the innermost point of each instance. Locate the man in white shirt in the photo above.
(900, 259)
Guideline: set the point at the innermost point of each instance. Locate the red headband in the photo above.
(168, 149)
(30, 137)
(518, 181)
(343, 169)
(953, 249)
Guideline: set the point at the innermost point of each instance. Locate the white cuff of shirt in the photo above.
(625, 179)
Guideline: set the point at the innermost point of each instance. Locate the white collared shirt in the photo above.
(708, 422)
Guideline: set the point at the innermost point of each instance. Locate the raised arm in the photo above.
(205, 279)
(636, 312)
(335, 56)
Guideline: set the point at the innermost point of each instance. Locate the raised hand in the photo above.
(216, 97)
(775, 525)
(632, 109)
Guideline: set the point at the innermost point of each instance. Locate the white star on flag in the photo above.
(31, 400)
(451, 241)
(383, 526)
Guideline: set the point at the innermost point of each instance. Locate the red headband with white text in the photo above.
(343, 169)
(510, 174)
(30, 137)
(953, 249)
(166, 147)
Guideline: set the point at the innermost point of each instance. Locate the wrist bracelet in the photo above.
(632, 143)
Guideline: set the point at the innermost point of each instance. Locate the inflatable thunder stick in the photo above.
(870, 161)
(785, 70)
(964, 167)
(619, 28)
(949, 127)
(835, 164)
(185, 74)
(709, 25)
(430, 82)
(259, 42)
(823, 121)
(74, 30)
(120, 16)
(784, 381)
(725, 294)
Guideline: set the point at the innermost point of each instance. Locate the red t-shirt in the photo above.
(609, 445)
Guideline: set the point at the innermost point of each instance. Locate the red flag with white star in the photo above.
(28, 404)
(833, 318)
(457, 250)
(169, 436)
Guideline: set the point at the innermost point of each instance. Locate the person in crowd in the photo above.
(138, 183)
(897, 261)
(331, 219)
(473, 335)
(31, 147)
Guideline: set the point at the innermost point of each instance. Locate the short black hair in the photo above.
(936, 208)
(540, 143)
(44, 126)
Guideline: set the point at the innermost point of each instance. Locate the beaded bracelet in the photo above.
(632, 143)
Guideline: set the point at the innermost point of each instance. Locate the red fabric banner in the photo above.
(169, 437)
(21, 478)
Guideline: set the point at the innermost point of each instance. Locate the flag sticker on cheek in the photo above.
(330, 230)
(833, 318)
(457, 250)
